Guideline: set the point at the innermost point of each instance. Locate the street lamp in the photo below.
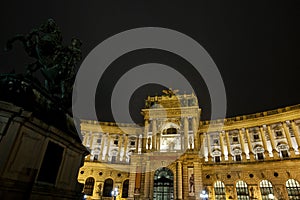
(115, 193)
(203, 195)
(271, 196)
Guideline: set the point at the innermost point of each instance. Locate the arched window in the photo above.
(219, 188)
(293, 189)
(125, 189)
(242, 191)
(89, 186)
(266, 189)
(108, 187)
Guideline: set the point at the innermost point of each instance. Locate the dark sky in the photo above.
(255, 44)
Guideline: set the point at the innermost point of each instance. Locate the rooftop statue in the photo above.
(55, 61)
(170, 92)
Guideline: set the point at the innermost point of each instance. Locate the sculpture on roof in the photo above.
(55, 61)
(170, 92)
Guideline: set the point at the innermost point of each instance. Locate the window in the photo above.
(116, 142)
(242, 191)
(96, 157)
(284, 154)
(125, 189)
(89, 186)
(293, 189)
(219, 188)
(51, 163)
(238, 158)
(216, 141)
(217, 159)
(255, 136)
(108, 187)
(235, 139)
(132, 143)
(171, 131)
(113, 159)
(265, 189)
(98, 141)
(260, 156)
(278, 133)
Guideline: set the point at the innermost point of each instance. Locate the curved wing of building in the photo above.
(175, 155)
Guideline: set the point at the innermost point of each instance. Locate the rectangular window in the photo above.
(256, 137)
(216, 141)
(95, 157)
(278, 133)
(217, 159)
(235, 139)
(116, 142)
(284, 154)
(260, 156)
(113, 159)
(51, 163)
(132, 143)
(98, 141)
(238, 158)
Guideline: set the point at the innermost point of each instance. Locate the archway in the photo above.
(163, 184)
(89, 186)
(108, 187)
(125, 189)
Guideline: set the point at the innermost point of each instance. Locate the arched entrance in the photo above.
(163, 184)
(108, 187)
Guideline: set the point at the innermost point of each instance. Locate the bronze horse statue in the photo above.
(55, 61)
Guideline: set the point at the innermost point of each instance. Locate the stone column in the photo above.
(202, 148)
(228, 146)
(251, 154)
(154, 130)
(125, 147)
(263, 137)
(158, 142)
(91, 140)
(144, 138)
(208, 148)
(197, 179)
(132, 181)
(241, 135)
(147, 180)
(102, 146)
(186, 182)
(119, 147)
(137, 143)
(151, 175)
(186, 133)
(85, 136)
(222, 146)
(179, 180)
(195, 131)
(296, 133)
(108, 146)
(289, 140)
(274, 151)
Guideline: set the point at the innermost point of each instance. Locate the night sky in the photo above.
(255, 45)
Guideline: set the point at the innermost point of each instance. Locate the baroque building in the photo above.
(175, 155)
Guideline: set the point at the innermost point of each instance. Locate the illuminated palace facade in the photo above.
(176, 156)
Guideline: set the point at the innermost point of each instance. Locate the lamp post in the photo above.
(115, 193)
(204, 195)
(271, 196)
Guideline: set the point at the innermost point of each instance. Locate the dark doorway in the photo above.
(125, 189)
(108, 187)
